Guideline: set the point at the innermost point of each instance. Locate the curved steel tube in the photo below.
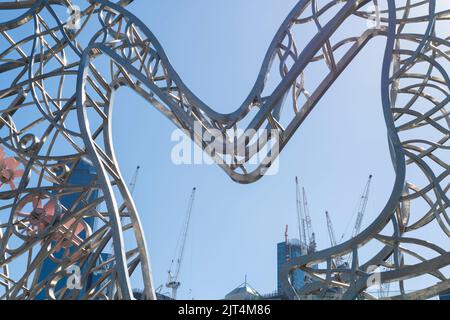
(123, 52)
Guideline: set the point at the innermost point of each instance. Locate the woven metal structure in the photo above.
(58, 79)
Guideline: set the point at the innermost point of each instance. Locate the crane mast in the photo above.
(362, 207)
(339, 261)
(131, 188)
(301, 219)
(133, 182)
(286, 241)
(311, 235)
(173, 282)
(383, 290)
(305, 230)
(330, 230)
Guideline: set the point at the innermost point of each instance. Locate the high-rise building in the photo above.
(83, 174)
(445, 295)
(288, 250)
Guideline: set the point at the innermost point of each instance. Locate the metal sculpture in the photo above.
(58, 83)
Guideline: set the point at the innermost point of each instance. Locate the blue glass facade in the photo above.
(83, 174)
(291, 249)
(445, 295)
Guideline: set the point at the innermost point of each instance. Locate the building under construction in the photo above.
(292, 248)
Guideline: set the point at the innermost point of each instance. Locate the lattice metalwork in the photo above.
(58, 79)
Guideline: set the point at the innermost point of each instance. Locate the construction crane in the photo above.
(133, 182)
(305, 230)
(383, 290)
(132, 187)
(300, 218)
(286, 241)
(339, 261)
(311, 235)
(360, 211)
(175, 266)
(362, 207)
(330, 230)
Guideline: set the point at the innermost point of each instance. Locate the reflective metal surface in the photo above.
(58, 79)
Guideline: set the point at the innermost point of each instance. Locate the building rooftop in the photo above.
(243, 292)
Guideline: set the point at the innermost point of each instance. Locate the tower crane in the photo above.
(339, 261)
(133, 182)
(361, 210)
(132, 187)
(286, 241)
(300, 218)
(383, 290)
(305, 230)
(330, 230)
(362, 207)
(311, 235)
(175, 266)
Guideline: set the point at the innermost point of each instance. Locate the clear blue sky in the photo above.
(217, 47)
